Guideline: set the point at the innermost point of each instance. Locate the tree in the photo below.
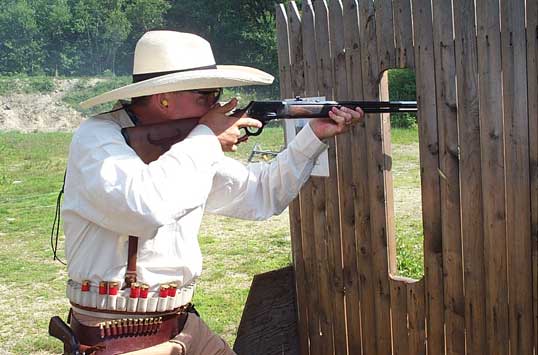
(240, 31)
(21, 49)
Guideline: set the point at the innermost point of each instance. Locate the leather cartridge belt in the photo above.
(126, 334)
(108, 298)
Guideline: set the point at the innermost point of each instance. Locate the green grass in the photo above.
(32, 285)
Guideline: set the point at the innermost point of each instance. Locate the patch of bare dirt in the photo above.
(39, 112)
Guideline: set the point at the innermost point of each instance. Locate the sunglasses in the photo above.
(212, 94)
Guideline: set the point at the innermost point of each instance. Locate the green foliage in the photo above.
(88, 37)
(69, 37)
(403, 120)
(240, 31)
(402, 87)
(21, 45)
(22, 83)
(87, 88)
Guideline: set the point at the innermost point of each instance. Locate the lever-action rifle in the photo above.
(151, 141)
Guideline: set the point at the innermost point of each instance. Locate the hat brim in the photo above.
(222, 76)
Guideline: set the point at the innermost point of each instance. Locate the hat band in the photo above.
(141, 77)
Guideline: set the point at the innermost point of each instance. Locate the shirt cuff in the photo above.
(202, 144)
(308, 143)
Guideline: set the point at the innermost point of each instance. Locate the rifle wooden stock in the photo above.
(151, 141)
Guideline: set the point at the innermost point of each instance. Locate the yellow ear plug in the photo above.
(164, 103)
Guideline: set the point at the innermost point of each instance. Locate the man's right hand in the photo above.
(227, 128)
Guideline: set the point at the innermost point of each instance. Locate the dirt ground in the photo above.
(39, 112)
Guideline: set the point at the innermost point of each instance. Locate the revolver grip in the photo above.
(60, 330)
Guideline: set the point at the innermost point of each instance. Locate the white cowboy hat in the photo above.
(166, 61)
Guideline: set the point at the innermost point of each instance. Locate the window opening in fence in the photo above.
(406, 186)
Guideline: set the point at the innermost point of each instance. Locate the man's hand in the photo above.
(339, 121)
(227, 128)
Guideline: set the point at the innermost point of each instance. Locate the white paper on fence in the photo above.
(292, 127)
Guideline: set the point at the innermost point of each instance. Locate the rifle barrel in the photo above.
(382, 106)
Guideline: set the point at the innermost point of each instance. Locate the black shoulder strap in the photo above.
(54, 233)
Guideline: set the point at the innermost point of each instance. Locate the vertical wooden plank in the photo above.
(367, 340)
(493, 188)
(309, 49)
(403, 34)
(352, 42)
(532, 70)
(344, 246)
(416, 310)
(429, 158)
(385, 34)
(324, 268)
(516, 137)
(297, 88)
(470, 175)
(389, 184)
(296, 50)
(329, 199)
(358, 177)
(389, 205)
(283, 50)
(445, 84)
(312, 276)
(323, 44)
(376, 180)
(398, 301)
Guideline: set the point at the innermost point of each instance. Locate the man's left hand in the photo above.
(339, 121)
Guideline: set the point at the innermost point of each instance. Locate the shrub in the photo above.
(21, 83)
(403, 120)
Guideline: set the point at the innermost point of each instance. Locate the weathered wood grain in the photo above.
(470, 175)
(532, 70)
(328, 196)
(516, 138)
(493, 177)
(429, 164)
(371, 73)
(398, 301)
(363, 286)
(310, 75)
(297, 88)
(445, 80)
(344, 246)
(386, 52)
(416, 310)
(269, 325)
(403, 34)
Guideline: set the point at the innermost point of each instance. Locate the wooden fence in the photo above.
(476, 65)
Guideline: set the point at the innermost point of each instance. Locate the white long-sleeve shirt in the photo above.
(111, 194)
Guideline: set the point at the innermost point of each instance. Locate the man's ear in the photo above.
(160, 101)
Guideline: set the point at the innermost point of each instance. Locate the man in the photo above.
(111, 195)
